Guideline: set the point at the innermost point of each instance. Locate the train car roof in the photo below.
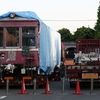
(23, 14)
(16, 18)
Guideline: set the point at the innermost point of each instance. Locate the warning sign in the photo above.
(89, 75)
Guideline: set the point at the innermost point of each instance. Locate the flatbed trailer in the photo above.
(86, 62)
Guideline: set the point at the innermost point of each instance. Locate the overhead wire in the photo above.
(70, 20)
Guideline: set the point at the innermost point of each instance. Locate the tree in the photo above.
(84, 33)
(66, 36)
(97, 26)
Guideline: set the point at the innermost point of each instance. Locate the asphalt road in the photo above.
(56, 89)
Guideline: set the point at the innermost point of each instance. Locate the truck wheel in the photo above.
(72, 85)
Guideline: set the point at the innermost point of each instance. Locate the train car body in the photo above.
(86, 62)
(28, 47)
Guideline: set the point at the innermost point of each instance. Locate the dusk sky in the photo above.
(57, 14)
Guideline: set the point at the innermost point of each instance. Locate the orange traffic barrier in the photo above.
(77, 88)
(47, 89)
(23, 89)
(7, 78)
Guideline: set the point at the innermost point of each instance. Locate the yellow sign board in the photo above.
(89, 75)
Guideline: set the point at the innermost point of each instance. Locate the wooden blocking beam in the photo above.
(8, 77)
(27, 78)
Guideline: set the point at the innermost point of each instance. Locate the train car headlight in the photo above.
(12, 15)
(2, 54)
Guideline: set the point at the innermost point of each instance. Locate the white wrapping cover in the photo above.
(50, 42)
(50, 48)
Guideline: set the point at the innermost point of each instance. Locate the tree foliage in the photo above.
(80, 33)
(84, 33)
(65, 35)
(97, 26)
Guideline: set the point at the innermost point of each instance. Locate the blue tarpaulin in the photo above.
(50, 41)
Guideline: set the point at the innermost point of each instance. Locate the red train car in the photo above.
(20, 46)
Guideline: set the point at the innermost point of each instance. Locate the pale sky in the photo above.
(57, 14)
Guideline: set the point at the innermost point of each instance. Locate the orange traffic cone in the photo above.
(77, 88)
(23, 90)
(47, 89)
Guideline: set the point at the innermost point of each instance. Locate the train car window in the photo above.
(12, 36)
(28, 36)
(1, 37)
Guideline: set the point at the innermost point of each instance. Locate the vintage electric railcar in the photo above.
(28, 47)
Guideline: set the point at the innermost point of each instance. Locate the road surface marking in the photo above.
(2, 97)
